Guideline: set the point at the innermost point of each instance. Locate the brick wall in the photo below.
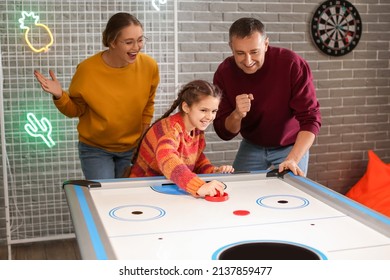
(353, 90)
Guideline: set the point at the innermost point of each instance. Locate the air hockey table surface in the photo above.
(266, 216)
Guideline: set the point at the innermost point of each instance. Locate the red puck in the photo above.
(241, 212)
(217, 198)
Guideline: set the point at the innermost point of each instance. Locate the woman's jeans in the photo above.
(97, 163)
(251, 157)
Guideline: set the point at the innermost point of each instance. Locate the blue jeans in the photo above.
(251, 157)
(97, 163)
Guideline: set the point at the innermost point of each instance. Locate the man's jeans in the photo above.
(251, 157)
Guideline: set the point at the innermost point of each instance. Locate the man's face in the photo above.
(249, 52)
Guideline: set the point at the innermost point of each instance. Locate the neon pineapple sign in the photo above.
(31, 17)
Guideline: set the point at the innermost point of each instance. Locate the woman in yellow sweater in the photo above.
(112, 93)
(173, 146)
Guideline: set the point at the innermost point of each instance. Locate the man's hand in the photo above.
(243, 104)
(293, 166)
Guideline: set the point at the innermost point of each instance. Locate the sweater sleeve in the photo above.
(203, 164)
(173, 167)
(225, 107)
(72, 104)
(70, 107)
(304, 101)
(149, 108)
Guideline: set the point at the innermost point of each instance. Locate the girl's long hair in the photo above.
(190, 93)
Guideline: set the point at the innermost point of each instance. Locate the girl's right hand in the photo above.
(211, 188)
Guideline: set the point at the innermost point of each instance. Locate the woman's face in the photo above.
(200, 115)
(128, 44)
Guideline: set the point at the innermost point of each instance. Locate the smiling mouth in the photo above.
(251, 65)
(132, 55)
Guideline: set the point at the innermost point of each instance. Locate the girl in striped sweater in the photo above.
(173, 146)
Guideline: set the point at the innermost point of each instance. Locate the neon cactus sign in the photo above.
(28, 16)
(42, 128)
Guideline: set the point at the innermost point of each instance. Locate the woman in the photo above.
(173, 146)
(112, 93)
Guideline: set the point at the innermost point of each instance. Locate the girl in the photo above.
(173, 146)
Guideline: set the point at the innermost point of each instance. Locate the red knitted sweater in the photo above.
(168, 150)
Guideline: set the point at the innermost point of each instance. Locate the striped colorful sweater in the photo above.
(168, 150)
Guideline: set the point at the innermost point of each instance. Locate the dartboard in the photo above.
(336, 27)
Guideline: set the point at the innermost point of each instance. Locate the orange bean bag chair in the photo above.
(373, 189)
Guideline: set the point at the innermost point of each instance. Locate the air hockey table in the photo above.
(266, 215)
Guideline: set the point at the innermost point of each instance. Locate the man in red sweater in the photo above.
(269, 98)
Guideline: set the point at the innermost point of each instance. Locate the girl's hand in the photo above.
(224, 169)
(211, 188)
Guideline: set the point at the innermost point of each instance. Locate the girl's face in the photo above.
(200, 115)
(128, 44)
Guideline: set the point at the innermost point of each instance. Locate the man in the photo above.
(269, 98)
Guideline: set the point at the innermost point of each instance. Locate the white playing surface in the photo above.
(144, 224)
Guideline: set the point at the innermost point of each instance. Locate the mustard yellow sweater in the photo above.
(112, 104)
